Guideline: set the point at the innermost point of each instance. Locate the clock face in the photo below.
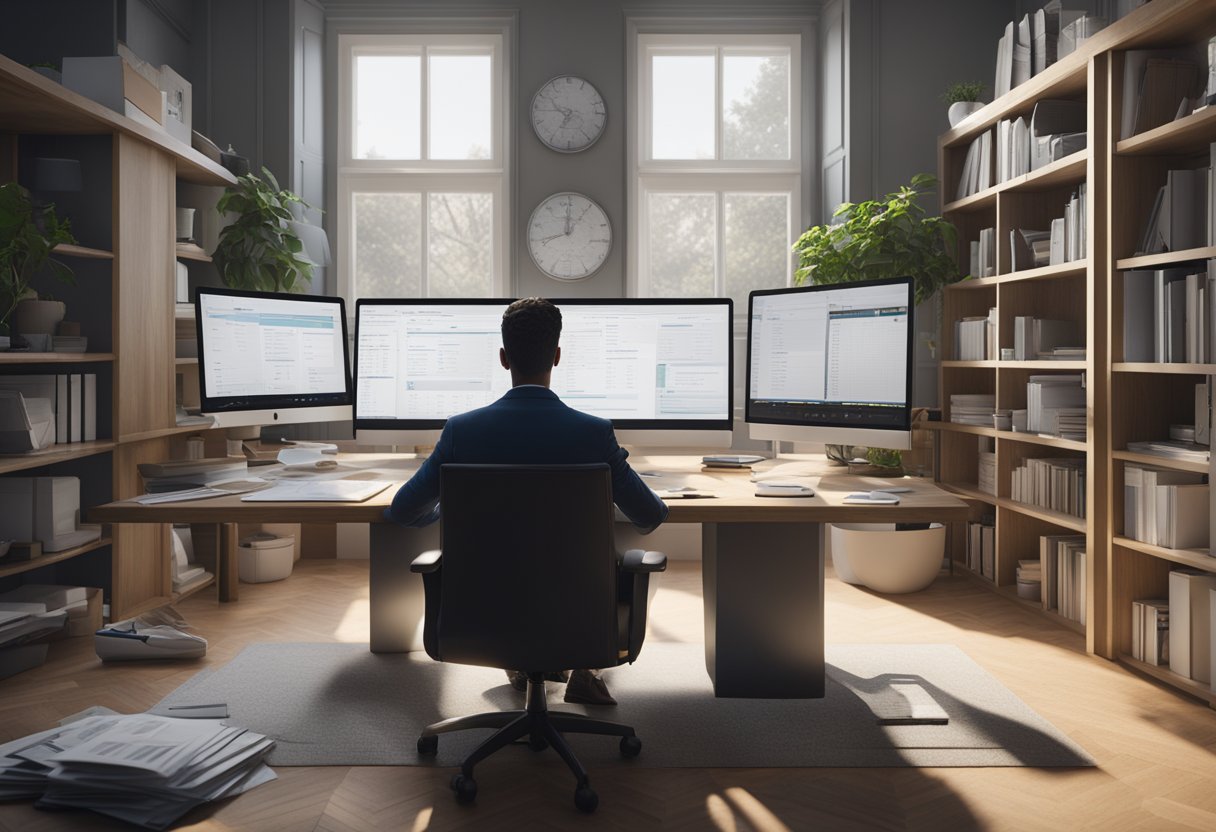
(568, 114)
(569, 236)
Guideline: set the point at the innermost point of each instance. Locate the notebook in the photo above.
(323, 491)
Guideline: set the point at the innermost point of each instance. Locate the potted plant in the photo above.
(887, 237)
(257, 251)
(963, 97)
(25, 249)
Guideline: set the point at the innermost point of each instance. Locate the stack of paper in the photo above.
(972, 408)
(143, 769)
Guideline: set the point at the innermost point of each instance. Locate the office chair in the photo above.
(528, 579)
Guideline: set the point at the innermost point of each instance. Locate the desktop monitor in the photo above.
(659, 369)
(267, 359)
(832, 363)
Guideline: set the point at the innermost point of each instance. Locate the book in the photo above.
(1182, 516)
(1190, 623)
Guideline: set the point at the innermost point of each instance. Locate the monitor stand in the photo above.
(237, 437)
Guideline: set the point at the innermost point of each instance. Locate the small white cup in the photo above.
(185, 223)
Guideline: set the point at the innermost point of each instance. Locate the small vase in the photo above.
(959, 111)
(38, 317)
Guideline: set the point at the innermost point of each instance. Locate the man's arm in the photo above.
(417, 502)
(634, 498)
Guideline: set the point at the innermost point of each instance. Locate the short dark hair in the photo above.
(530, 330)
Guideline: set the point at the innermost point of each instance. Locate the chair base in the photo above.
(541, 727)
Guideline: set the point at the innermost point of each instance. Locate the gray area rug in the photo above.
(338, 704)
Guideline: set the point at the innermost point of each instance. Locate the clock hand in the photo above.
(545, 240)
(567, 217)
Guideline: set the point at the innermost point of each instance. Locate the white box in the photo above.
(263, 557)
(177, 101)
(182, 279)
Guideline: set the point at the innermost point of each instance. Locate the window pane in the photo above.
(682, 107)
(388, 101)
(756, 107)
(460, 249)
(757, 248)
(681, 244)
(460, 88)
(388, 245)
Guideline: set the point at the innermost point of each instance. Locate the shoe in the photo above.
(585, 688)
(519, 679)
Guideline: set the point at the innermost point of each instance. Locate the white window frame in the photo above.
(424, 175)
(648, 175)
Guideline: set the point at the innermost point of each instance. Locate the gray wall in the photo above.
(552, 37)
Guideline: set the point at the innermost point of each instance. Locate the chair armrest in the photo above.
(637, 560)
(427, 562)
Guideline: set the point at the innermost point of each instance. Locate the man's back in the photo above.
(528, 425)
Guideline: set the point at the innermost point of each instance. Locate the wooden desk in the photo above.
(762, 557)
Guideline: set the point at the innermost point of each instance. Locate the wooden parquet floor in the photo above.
(1156, 750)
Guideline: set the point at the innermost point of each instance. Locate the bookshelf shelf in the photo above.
(1043, 365)
(193, 589)
(53, 455)
(190, 251)
(1165, 258)
(957, 427)
(162, 433)
(984, 365)
(1189, 134)
(1074, 269)
(67, 250)
(1162, 673)
(54, 557)
(1056, 518)
(1162, 368)
(972, 283)
(55, 357)
(1067, 171)
(969, 490)
(1196, 558)
(180, 361)
(1045, 441)
(980, 201)
(1161, 461)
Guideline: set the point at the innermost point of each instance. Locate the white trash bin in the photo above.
(264, 557)
(886, 560)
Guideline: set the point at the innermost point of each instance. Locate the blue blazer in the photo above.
(529, 425)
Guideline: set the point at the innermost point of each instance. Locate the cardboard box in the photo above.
(111, 81)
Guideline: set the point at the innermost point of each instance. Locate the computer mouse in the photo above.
(783, 489)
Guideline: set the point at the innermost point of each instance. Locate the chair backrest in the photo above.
(529, 570)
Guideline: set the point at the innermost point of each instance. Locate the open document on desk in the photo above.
(318, 491)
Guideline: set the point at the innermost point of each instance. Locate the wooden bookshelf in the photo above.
(1165, 258)
(1195, 558)
(55, 357)
(54, 455)
(17, 567)
(68, 250)
(1160, 461)
(1188, 134)
(1011, 592)
(1074, 269)
(190, 251)
(1164, 369)
(1162, 673)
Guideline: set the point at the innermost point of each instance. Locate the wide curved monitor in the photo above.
(267, 358)
(832, 363)
(659, 369)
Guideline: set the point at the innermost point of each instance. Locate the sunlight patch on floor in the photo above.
(355, 625)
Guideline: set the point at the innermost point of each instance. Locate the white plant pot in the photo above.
(959, 110)
(38, 317)
(886, 560)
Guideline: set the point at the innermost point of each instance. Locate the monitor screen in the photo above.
(832, 358)
(645, 364)
(272, 353)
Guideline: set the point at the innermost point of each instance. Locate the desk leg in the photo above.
(226, 577)
(763, 585)
(396, 599)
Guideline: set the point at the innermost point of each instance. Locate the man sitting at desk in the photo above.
(531, 425)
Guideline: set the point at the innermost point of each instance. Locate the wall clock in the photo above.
(568, 114)
(569, 236)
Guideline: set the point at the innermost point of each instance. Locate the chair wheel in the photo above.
(538, 743)
(630, 746)
(428, 745)
(585, 799)
(465, 789)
